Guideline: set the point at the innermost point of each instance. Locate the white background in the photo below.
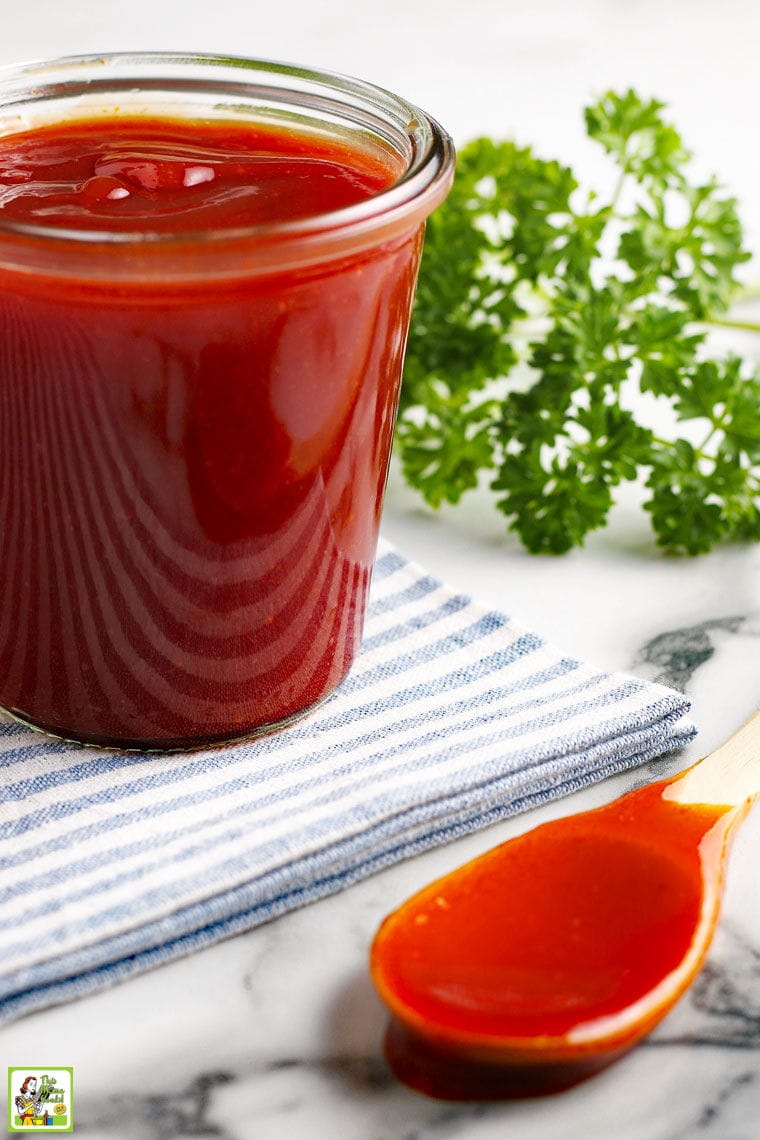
(483, 66)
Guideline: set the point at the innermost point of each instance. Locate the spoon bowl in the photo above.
(541, 962)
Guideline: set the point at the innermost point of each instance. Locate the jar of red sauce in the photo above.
(206, 274)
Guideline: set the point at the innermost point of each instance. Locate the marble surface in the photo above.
(277, 1032)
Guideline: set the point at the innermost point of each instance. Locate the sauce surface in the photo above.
(566, 924)
(167, 176)
(192, 475)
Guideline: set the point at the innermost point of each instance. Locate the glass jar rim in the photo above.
(394, 210)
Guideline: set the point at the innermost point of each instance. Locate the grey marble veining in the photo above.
(678, 653)
(725, 998)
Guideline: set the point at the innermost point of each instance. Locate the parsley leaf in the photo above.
(546, 315)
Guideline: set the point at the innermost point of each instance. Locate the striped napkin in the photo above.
(452, 718)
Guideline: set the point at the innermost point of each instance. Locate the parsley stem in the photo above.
(618, 188)
(724, 322)
(700, 450)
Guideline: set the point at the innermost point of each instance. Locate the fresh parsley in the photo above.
(548, 317)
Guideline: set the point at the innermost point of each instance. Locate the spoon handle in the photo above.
(730, 775)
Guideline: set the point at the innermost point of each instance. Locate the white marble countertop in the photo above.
(277, 1031)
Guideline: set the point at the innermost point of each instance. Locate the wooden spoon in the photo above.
(544, 960)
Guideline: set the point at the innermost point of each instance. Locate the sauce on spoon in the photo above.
(541, 962)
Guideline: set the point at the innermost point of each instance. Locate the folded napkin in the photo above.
(452, 718)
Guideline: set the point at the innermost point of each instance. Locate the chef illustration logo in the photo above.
(41, 1099)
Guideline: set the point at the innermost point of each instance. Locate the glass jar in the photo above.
(196, 423)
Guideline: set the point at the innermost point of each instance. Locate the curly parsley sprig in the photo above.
(542, 315)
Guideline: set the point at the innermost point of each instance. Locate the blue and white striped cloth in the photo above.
(452, 718)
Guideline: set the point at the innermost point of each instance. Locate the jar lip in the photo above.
(407, 200)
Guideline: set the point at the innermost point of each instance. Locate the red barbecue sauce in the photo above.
(571, 922)
(191, 469)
